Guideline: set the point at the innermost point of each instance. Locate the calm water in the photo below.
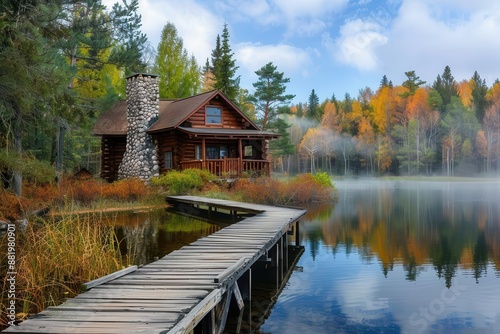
(397, 257)
(149, 235)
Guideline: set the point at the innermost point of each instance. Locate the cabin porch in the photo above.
(230, 167)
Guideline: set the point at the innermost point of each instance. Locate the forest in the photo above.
(444, 128)
(62, 63)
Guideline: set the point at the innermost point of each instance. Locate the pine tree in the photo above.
(270, 94)
(224, 67)
(313, 106)
(479, 91)
(128, 52)
(32, 87)
(412, 82)
(446, 86)
(384, 82)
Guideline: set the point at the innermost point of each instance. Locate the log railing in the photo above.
(229, 167)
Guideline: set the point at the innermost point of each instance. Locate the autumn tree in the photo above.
(365, 143)
(491, 127)
(208, 79)
(316, 142)
(179, 74)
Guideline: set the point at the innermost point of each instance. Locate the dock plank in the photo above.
(173, 294)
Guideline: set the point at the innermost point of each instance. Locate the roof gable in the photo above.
(175, 113)
(172, 114)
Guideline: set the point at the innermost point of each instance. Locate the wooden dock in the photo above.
(188, 290)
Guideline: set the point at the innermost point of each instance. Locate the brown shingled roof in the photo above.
(112, 122)
(230, 133)
(172, 114)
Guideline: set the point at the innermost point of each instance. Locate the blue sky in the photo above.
(338, 46)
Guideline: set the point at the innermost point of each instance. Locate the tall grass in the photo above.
(55, 259)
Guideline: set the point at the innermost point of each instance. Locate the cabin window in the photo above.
(168, 160)
(197, 152)
(248, 151)
(216, 152)
(223, 151)
(212, 152)
(213, 115)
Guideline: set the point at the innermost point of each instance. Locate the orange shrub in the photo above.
(11, 206)
(306, 188)
(302, 189)
(262, 190)
(40, 195)
(83, 192)
(125, 190)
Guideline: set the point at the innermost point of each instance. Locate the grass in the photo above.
(53, 260)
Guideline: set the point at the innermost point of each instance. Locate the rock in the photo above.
(3, 225)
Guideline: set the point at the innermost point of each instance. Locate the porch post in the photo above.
(203, 153)
(240, 157)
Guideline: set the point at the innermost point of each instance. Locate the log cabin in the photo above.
(146, 136)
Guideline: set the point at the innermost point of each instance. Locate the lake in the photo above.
(396, 257)
(387, 257)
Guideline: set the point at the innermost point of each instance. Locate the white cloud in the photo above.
(426, 36)
(196, 25)
(357, 44)
(288, 59)
(298, 17)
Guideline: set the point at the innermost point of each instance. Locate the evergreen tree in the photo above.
(216, 54)
(208, 77)
(313, 111)
(224, 67)
(446, 86)
(32, 87)
(384, 82)
(412, 82)
(270, 94)
(179, 74)
(347, 103)
(300, 110)
(128, 53)
(335, 102)
(479, 91)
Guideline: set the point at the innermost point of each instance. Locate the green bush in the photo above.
(179, 183)
(323, 179)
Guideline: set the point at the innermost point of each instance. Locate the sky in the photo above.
(338, 46)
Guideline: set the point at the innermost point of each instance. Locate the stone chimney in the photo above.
(143, 104)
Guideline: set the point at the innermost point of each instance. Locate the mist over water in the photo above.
(397, 257)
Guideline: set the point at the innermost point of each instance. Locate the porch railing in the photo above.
(229, 167)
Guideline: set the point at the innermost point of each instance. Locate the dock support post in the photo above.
(297, 234)
(245, 285)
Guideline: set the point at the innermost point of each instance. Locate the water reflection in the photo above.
(397, 257)
(148, 235)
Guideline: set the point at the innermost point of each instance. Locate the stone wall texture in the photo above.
(143, 103)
